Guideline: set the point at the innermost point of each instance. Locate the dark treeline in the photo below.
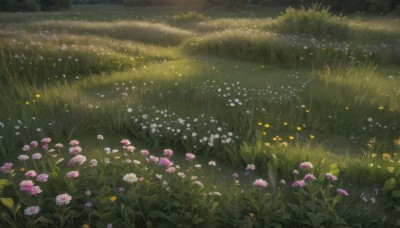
(345, 6)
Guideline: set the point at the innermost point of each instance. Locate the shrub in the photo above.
(315, 21)
(8, 5)
(29, 5)
(55, 5)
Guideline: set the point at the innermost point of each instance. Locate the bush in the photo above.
(29, 5)
(315, 21)
(8, 5)
(55, 5)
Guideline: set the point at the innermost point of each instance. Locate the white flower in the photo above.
(212, 163)
(130, 178)
(32, 210)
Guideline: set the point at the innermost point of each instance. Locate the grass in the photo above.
(223, 85)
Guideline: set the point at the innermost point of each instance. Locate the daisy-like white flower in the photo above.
(130, 178)
(32, 210)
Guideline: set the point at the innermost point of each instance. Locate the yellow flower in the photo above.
(22, 169)
(264, 133)
(312, 136)
(291, 137)
(373, 155)
(347, 108)
(285, 123)
(37, 95)
(386, 156)
(27, 102)
(371, 165)
(274, 138)
(284, 144)
(390, 169)
(308, 110)
(85, 226)
(260, 124)
(266, 125)
(396, 142)
(113, 198)
(381, 107)
(298, 128)
(267, 144)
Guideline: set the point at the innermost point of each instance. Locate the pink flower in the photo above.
(42, 177)
(36, 156)
(125, 142)
(25, 185)
(295, 172)
(190, 156)
(330, 176)
(23, 157)
(235, 175)
(34, 190)
(6, 167)
(153, 158)
(299, 184)
(74, 142)
(32, 210)
(251, 167)
(26, 148)
(168, 152)
(75, 150)
(165, 162)
(144, 152)
(309, 177)
(31, 173)
(170, 170)
(34, 144)
(342, 192)
(63, 199)
(59, 145)
(260, 183)
(46, 140)
(45, 147)
(306, 165)
(73, 174)
(78, 159)
(130, 148)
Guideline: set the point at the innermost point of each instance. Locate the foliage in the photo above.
(191, 16)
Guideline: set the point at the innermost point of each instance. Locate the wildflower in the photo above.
(190, 156)
(74, 142)
(312, 136)
(165, 162)
(36, 156)
(235, 175)
(26, 185)
(285, 123)
(107, 150)
(63, 199)
(215, 193)
(6, 167)
(23, 157)
(32, 210)
(298, 128)
(373, 155)
(93, 163)
(100, 137)
(212, 163)
(390, 169)
(31, 173)
(153, 158)
(73, 174)
(381, 107)
(342, 192)
(59, 145)
(88, 193)
(260, 183)
(75, 150)
(396, 142)
(199, 184)
(197, 166)
(251, 167)
(309, 177)
(34, 190)
(130, 148)
(295, 172)
(168, 152)
(26, 148)
(170, 170)
(386, 156)
(181, 174)
(291, 137)
(46, 140)
(136, 162)
(113, 198)
(34, 144)
(109, 225)
(78, 159)
(144, 152)
(306, 165)
(42, 177)
(125, 142)
(299, 184)
(330, 176)
(89, 204)
(130, 178)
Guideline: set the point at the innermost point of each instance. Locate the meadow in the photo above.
(118, 116)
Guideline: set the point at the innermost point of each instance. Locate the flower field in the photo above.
(180, 117)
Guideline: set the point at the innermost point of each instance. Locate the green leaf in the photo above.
(389, 185)
(396, 193)
(7, 202)
(4, 183)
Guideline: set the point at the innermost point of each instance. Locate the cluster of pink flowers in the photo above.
(29, 187)
(331, 177)
(299, 184)
(6, 168)
(78, 159)
(73, 174)
(260, 183)
(125, 142)
(168, 152)
(165, 162)
(75, 150)
(190, 156)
